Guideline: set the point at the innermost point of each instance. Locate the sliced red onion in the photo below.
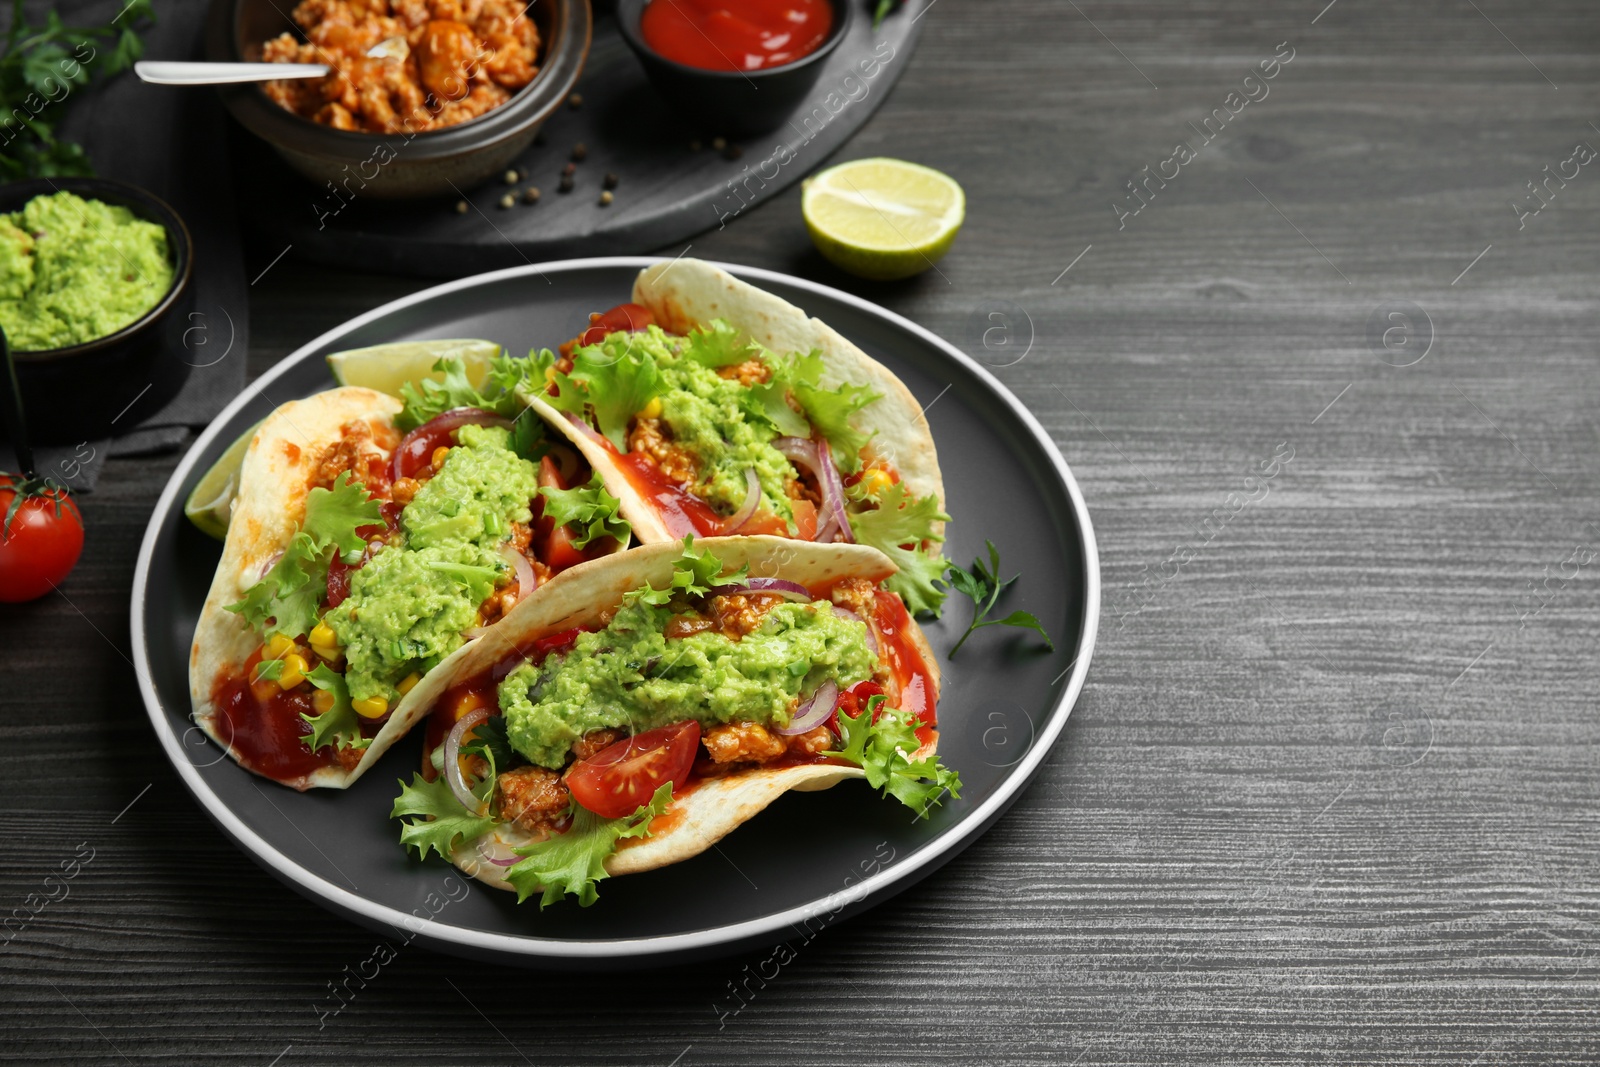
(451, 419)
(872, 638)
(509, 861)
(752, 500)
(788, 590)
(269, 563)
(452, 757)
(799, 450)
(527, 581)
(590, 432)
(833, 492)
(814, 712)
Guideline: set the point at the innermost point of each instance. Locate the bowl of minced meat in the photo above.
(456, 91)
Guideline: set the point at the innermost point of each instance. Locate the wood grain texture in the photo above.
(1330, 795)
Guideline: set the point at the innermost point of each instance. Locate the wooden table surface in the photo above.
(1330, 795)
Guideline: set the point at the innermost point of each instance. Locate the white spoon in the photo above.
(171, 72)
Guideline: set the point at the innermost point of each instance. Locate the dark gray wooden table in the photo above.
(1331, 793)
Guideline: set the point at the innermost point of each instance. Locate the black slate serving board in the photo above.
(666, 192)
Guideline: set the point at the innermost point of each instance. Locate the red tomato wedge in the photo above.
(554, 543)
(616, 781)
(630, 317)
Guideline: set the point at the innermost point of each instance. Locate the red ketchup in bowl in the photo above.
(735, 34)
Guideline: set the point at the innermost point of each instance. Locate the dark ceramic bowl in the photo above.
(82, 391)
(394, 166)
(735, 103)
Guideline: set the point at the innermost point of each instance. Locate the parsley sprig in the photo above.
(984, 585)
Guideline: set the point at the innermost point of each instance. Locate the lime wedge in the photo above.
(883, 218)
(210, 504)
(387, 367)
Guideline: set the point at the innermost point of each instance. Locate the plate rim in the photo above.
(529, 948)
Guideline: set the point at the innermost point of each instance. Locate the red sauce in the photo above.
(736, 34)
(911, 674)
(681, 512)
(268, 736)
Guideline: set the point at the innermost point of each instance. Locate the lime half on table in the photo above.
(387, 367)
(883, 218)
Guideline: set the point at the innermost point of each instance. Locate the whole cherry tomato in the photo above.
(41, 537)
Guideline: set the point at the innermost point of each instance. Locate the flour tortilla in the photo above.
(278, 471)
(715, 808)
(685, 293)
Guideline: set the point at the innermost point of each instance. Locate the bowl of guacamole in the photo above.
(93, 273)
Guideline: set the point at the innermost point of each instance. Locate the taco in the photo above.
(710, 407)
(370, 540)
(646, 705)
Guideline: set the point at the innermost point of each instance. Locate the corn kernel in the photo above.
(322, 634)
(294, 671)
(651, 410)
(323, 701)
(467, 702)
(439, 454)
(328, 653)
(279, 647)
(408, 683)
(875, 481)
(371, 707)
(550, 373)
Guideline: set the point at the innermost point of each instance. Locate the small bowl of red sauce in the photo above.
(734, 67)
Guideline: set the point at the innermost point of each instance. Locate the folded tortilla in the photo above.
(278, 472)
(685, 293)
(715, 807)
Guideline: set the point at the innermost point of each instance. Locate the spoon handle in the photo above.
(16, 425)
(171, 72)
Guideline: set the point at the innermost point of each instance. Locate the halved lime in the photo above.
(883, 218)
(210, 503)
(387, 367)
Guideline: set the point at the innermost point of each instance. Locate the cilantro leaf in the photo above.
(489, 740)
(984, 586)
(693, 574)
(528, 437)
(718, 345)
(588, 510)
(444, 819)
(883, 749)
(829, 411)
(614, 380)
(338, 726)
(897, 527)
(574, 861)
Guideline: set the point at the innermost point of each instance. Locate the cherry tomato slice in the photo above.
(617, 780)
(631, 317)
(43, 543)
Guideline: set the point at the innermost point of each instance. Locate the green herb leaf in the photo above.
(338, 726)
(984, 586)
(588, 510)
(898, 527)
(693, 574)
(883, 749)
(442, 820)
(528, 436)
(574, 862)
(428, 399)
(612, 381)
(269, 670)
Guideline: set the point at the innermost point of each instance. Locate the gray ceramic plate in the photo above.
(809, 859)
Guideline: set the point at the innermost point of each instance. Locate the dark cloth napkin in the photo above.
(172, 142)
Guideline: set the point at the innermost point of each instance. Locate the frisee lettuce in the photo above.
(574, 861)
(588, 510)
(338, 726)
(427, 399)
(828, 410)
(286, 599)
(441, 818)
(694, 573)
(897, 527)
(718, 345)
(612, 381)
(883, 749)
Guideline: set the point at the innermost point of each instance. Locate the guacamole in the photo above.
(629, 674)
(707, 415)
(410, 602)
(72, 270)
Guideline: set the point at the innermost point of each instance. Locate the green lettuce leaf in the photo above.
(442, 820)
(428, 399)
(898, 522)
(334, 515)
(338, 726)
(718, 345)
(883, 749)
(574, 861)
(612, 381)
(589, 510)
(693, 574)
(829, 411)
